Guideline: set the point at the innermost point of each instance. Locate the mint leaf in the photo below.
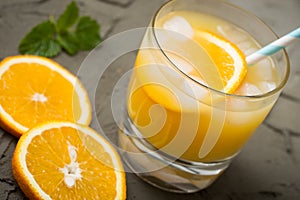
(87, 32)
(86, 36)
(69, 33)
(40, 41)
(69, 42)
(68, 17)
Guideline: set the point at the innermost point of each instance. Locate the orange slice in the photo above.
(218, 64)
(35, 89)
(63, 160)
(229, 60)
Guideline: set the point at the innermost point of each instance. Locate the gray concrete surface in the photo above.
(269, 165)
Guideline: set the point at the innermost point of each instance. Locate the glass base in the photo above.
(161, 170)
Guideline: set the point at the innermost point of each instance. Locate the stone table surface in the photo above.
(269, 165)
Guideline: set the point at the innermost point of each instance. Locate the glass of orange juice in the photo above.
(193, 101)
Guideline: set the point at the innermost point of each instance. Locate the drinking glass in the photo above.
(177, 133)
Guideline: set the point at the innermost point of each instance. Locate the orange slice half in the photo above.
(63, 160)
(229, 60)
(35, 89)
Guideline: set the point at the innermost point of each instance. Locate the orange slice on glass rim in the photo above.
(63, 160)
(35, 89)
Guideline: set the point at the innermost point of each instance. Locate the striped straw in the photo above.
(273, 47)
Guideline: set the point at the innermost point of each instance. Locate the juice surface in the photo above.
(181, 117)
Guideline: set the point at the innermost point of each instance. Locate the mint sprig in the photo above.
(71, 33)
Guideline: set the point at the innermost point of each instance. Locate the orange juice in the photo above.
(173, 108)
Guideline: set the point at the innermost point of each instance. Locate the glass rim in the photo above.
(251, 16)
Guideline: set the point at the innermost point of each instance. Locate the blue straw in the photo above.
(273, 47)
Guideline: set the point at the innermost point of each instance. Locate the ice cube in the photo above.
(182, 64)
(244, 45)
(237, 104)
(179, 25)
(238, 37)
(264, 70)
(248, 89)
(233, 34)
(171, 74)
(267, 86)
